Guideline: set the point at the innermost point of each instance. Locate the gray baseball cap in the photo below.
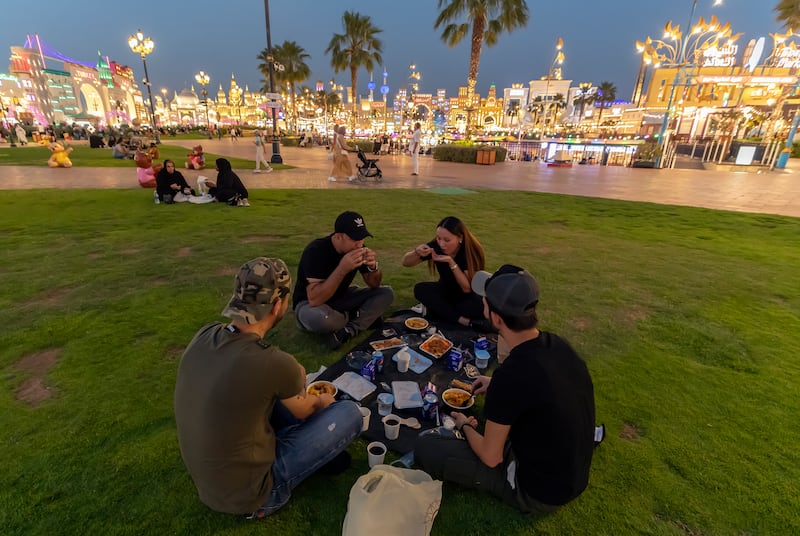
(510, 291)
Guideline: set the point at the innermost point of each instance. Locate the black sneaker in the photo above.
(338, 338)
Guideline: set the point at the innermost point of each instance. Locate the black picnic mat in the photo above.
(438, 373)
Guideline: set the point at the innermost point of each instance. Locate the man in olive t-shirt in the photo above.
(230, 385)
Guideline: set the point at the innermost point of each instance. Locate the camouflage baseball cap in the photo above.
(259, 284)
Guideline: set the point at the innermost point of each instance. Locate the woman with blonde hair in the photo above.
(342, 168)
(456, 255)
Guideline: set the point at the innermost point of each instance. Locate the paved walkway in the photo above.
(770, 192)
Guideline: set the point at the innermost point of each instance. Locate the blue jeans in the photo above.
(302, 447)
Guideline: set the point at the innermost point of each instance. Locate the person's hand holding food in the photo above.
(480, 384)
(423, 250)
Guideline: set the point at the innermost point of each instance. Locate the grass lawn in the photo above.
(688, 320)
(84, 156)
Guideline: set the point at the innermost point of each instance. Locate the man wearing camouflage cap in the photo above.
(233, 393)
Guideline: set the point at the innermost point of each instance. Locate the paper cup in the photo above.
(376, 452)
(403, 360)
(385, 401)
(391, 426)
(366, 413)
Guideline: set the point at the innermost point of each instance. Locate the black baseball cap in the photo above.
(351, 224)
(510, 291)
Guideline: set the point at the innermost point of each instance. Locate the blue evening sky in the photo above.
(224, 37)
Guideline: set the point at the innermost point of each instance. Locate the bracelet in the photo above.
(461, 429)
(453, 266)
(370, 270)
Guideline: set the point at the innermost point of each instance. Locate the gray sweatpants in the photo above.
(358, 309)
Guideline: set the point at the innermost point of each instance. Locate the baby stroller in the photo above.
(368, 167)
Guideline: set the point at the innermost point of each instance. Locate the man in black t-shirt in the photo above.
(536, 449)
(324, 300)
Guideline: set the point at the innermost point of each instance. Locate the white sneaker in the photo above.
(244, 202)
(257, 171)
(331, 179)
(268, 170)
(351, 178)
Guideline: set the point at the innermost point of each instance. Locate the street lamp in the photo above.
(558, 59)
(143, 46)
(203, 79)
(384, 92)
(276, 146)
(682, 52)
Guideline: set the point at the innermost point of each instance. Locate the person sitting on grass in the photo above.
(229, 187)
(120, 151)
(170, 182)
(248, 431)
(536, 448)
(457, 255)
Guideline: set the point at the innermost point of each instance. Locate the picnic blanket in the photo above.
(438, 373)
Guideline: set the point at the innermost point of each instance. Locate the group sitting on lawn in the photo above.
(249, 432)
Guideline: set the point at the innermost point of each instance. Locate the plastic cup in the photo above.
(376, 452)
(391, 426)
(403, 360)
(481, 359)
(385, 401)
(366, 414)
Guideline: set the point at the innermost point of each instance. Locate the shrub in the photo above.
(456, 152)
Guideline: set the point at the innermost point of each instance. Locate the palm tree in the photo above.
(606, 94)
(583, 98)
(295, 69)
(788, 13)
(485, 20)
(357, 47)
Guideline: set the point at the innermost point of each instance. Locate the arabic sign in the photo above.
(715, 56)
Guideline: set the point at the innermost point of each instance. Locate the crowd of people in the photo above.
(249, 432)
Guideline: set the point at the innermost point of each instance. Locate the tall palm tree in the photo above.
(788, 13)
(295, 69)
(484, 20)
(582, 99)
(357, 47)
(606, 94)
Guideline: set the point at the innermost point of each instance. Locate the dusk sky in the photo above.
(224, 37)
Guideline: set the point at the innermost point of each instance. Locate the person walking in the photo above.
(414, 145)
(248, 431)
(22, 137)
(261, 153)
(342, 167)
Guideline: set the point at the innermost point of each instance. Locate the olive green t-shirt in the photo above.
(227, 385)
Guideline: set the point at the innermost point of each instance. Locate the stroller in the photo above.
(368, 167)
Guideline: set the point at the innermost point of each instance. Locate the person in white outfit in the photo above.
(260, 156)
(22, 137)
(413, 146)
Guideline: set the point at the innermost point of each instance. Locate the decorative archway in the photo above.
(91, 101)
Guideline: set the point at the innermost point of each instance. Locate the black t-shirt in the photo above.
(318, 261)
(446, 278)
(544, 391)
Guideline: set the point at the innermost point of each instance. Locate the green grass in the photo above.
(687, 318)
(84, 156)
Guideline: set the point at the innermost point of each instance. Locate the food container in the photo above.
(458, 398)
(321, 386)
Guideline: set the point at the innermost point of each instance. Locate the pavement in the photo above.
(767, 192)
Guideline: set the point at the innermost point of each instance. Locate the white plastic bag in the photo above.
(392, 500)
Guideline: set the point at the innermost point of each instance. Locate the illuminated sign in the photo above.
(750, 80)
(717, 56)
(788, 58)
(81, 74)
(516, 92)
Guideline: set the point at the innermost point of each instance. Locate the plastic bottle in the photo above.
(155, 198)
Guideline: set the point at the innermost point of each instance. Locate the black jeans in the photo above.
(445, 307)
(453, 460)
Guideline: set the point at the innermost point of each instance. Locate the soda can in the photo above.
(430, 406)
(455, 359)
(368, 370)
(377, 358)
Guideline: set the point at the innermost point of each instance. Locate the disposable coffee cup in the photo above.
(403, 360)
(391, 426)
(376, 452)
(385, 401)
(366, 414)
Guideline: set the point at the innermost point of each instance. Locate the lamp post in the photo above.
(203, 79)
(276, 146)
(681, 54)
(143, 46)
(384, 92)
(558, 59)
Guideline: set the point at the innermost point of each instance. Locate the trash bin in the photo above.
(485, 157)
